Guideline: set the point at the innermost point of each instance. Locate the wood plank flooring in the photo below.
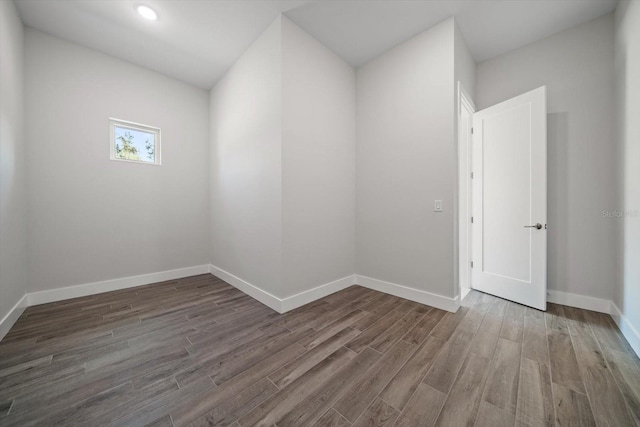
(198, 352)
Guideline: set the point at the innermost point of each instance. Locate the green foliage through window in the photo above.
(134, 143)
(125, 148)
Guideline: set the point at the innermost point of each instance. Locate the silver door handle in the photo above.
(538, 226)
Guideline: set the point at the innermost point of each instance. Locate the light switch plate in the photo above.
(437, 205)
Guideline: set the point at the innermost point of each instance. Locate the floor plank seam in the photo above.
(460, 369)
(382, 399)
(553, 398)
(608, 366)
(13, 402)
(274, 384)
(371, 348)
(491, 358)
(339, 413)
(363, 412)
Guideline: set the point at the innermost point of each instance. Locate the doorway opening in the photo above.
(502, 198)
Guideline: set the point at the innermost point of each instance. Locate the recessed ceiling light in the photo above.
(147, 12)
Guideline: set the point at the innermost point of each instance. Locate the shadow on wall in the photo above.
(558, 200)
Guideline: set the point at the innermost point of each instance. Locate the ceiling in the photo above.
(196, 41)
(359, 31)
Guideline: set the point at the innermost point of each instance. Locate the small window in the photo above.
(133, 142)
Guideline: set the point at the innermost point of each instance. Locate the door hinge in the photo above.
(471, 264)
(471, 175)
(471, 220)
(471, 131)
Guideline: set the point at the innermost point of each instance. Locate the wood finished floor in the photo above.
(198, 352)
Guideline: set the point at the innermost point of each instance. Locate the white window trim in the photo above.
(139, 127)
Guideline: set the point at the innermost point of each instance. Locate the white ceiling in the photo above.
(193, 41)
(359, 31)
(198, 40)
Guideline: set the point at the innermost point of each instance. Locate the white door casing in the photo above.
(509, 197)
(465, 122)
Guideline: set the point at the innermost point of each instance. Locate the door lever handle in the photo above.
(538, 226)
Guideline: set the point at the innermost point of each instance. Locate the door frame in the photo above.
(464, 188)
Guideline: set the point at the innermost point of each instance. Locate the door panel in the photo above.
(509, 193)
(507, 171)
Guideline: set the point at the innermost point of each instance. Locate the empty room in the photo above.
(319, 213)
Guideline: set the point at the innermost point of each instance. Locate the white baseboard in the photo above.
(53, 295)
(600, 305)
(423, 297)
(298, 300)
(254, 292)
(579, 301)
(12, 316)
(627, 329)
(282, 305)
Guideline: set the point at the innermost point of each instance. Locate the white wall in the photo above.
(577, 68)
(405, 159)
(627, 60)
(318, 169)
(13, 198)
(282, 164)
(91, 218)
(246, 162)
(465, 66)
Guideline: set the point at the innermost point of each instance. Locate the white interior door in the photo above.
(509, 232)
